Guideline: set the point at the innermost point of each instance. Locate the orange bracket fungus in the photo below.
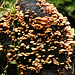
(37, 35)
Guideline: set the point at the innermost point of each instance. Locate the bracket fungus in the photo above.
(39, 35)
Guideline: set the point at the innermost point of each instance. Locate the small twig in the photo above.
(16, 1)
(60, 73)
(3, 8)
(2, 4)
(73, 69)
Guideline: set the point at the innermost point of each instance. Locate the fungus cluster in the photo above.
(38, 37)
(1, 48)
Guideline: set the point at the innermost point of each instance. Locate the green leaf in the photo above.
(12, 15)
(74, 61)
(6, 66)
(17, 56)
(12, 24)
(8, 51)
(18, 23)
(73, 30)
(71, 67)
(17, 46)
(11, 46)
(11, 32)
(18, 68)
(14, 62)
(18, 51)
(13, 37)
(13, 9)
(1, 13)
(18, 43)
(68, 0)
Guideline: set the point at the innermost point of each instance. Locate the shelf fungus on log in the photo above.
(39, 35)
